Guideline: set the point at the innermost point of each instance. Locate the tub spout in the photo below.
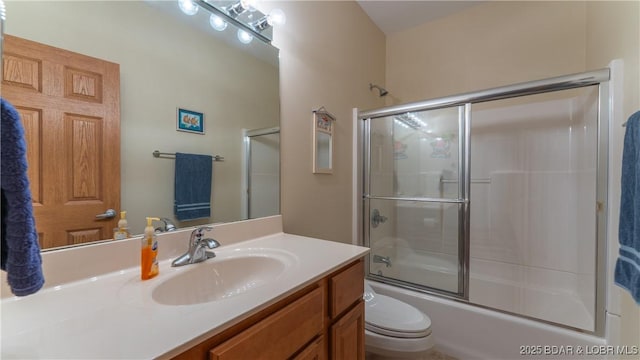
(382, 259)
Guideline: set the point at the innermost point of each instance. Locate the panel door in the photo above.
(70, 107)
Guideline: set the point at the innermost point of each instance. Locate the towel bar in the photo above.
(166, 155)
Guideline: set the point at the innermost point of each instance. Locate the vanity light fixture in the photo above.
(188, 7)
(275, 17)
(217, 22)
(244, 36)
(410, 120)
(240, 7)
(222, 16)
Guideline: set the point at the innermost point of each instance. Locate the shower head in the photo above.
(382, 91)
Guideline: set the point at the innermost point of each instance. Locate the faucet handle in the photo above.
(210, 243)
(200, 231)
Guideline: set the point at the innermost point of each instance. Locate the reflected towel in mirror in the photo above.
(193, 179)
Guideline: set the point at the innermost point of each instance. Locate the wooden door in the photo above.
(70, 108)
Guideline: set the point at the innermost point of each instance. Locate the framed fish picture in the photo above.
(190, 121)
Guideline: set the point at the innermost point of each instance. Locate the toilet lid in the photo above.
(387, 316)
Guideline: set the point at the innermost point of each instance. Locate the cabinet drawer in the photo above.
(346, 288)
(278, 336)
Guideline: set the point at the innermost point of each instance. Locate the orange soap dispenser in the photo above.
(149, 255)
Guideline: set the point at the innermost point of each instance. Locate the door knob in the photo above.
(109, 214)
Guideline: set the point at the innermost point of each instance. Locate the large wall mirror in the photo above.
(169, 60)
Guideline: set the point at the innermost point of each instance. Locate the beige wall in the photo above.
(485, 46)
(329, 53)
(163, 67)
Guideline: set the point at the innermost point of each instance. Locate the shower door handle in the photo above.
(377, 219)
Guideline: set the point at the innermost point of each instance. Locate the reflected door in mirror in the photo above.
(70, 108)
(263, 180)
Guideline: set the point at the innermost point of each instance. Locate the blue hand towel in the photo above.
(20, 249)
(192, 186)
(627, 272)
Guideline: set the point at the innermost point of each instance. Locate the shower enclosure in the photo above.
(496, 198)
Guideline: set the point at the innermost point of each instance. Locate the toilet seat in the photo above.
(390, 317)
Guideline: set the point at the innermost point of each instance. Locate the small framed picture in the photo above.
(190, 121)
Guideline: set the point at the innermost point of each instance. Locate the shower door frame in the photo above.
(462, 201)
(598, 78)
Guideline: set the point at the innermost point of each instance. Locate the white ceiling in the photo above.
(393, 16)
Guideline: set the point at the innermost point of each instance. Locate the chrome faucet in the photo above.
(168, 226)
(382, 259)
(197, 252)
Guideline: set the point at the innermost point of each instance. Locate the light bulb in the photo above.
(217, 23)
(276, 17)
(244, 36)
(188, 7)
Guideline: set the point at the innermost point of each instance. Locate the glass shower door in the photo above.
(534, 215)
(415, 199)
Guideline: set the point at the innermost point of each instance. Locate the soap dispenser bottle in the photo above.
(149, 255)
(122, 231)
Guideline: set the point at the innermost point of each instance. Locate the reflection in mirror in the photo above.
(167, 60)
(263, 169)
(323, 150)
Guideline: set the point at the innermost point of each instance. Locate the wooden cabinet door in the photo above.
(317, 350)
(70, 108)
(346, 288)
(347, 335)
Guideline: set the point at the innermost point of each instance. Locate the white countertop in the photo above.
(113, 315)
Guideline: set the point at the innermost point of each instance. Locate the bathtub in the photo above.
(472, 332)
(468, 331)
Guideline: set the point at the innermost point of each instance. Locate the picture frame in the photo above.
(323, 124)
(190, 121)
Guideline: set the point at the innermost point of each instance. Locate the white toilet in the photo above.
(394, 329)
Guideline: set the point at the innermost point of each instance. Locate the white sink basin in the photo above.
(223, 277)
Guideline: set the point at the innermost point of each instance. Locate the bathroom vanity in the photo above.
(323, 320)
(266, 294)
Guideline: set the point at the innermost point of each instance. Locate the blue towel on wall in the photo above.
(627, 272)
(19, 247)
(192, 186)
